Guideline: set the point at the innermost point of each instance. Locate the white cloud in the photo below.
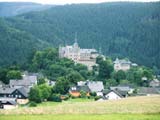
(71, 1)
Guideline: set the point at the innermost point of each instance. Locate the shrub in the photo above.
(97, 98)
(56, 98)
(94, 94)
(32, 104)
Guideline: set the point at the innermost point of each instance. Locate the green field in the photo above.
(134, 108)
(82, 117)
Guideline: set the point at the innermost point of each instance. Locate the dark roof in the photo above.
(105, 91)
(26, 81)
(11, 101)
(22, 90)
(80, 88)
(7, 90)
(148, 90)
(117, 92)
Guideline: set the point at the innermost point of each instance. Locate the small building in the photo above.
(113, 95)
(81, 83)
(8, 103)
(13, 93)
(154, 83)
(126, 88)
(122, 64)
(75, 91)
(27, 81)
(147, 91)
(96, 86)
(19, 93)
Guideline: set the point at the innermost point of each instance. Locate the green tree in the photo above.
(41, 81)
(83, 94)
(35, 94)
(119, 75)
(62, 86)
(74, 77)
(14, 74)
(105, 69)
(45, 91)
(3, 75)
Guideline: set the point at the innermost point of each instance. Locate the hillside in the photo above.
(15, 8)
(121, 29)
(16, 45)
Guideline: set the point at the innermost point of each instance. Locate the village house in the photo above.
(19, 93)
(86, 57)
(113, 95)
(8, 103)
(147, 91)
(154, 83)
(126, 88)
(94, 86)
(27, 81)
(122, 64)
(75, 91)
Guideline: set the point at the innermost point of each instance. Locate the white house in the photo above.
(154, 83)
(113, 95)
(8, 103)
(122, 64)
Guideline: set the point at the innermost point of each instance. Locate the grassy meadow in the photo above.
(133, 108)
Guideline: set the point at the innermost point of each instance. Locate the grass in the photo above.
(82, 117)
(134, 108)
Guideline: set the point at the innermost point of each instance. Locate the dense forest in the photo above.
(15, 8)
(120, 29)
(16, 45)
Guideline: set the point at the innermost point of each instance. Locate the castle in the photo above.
(86, 57)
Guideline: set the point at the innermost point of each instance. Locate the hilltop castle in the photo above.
(83, 56)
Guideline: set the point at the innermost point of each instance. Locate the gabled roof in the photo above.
(8, 100)
(7, 90)
(148, 90)
(22, 90)
(26, 81)
(121, 88)
(95, 86)
(122, 61)
(116, 92)
(80, 88)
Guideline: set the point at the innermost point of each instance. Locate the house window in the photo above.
(20, 96)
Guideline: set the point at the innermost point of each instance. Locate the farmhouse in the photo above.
(28, 81)
(13, 92)
(113, 95)
(126, 88)
(154, 83)
(148, 91)
(75, 91)
(96, 86)
(8, 103)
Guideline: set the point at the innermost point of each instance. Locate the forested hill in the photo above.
(16, 45)
(15, 8)
(121, 29)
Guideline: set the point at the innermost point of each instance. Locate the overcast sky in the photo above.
(71, 1)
